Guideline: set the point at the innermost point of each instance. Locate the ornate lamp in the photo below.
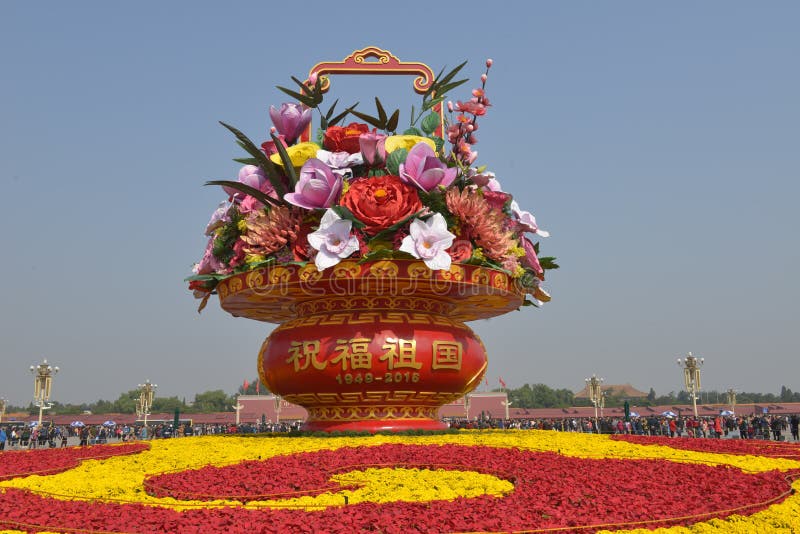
(145, 402)
(691, 377)
(594, 386)
(42, 385)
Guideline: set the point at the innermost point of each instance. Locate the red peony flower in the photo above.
(381, 201)
(496, 199)
(344, 138)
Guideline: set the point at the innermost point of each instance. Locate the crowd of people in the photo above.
(774, 427)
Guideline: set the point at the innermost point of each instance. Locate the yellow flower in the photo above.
(254, 258)
(394, 142)
(242, 225)
(299, 154)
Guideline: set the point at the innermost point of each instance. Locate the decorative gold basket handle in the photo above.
(375, 61)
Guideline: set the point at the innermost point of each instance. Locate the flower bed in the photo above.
(770, 449)
(49, 461)
(485, 481)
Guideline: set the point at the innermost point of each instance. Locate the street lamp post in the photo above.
(277, 408)
(691, 377)
(238, 407)
(3, 404)
(602, 402)
(595, 389)
(42, 386)
(145, 402)
(732, 400)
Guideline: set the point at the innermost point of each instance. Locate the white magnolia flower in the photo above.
(332, 240)
(429, 241)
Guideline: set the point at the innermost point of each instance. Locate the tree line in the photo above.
(526, 396)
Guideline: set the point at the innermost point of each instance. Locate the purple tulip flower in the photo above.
(425, 170)
(317, 187)
(290, 120)
(373, 148)
(252, 176)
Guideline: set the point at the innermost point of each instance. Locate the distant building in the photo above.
(621, 390)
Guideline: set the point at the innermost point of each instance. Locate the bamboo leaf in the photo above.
(450, 86)
(381, 111)
(263, 161)
(431, 103)
(246, 189)
(246, 161)
(330, 111)
(308, 101)
(450, 75)
(334, 121)
(374, 121)
(392, 124)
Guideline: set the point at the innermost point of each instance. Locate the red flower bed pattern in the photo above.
(770, 449)
(550, 491)
(49, 461)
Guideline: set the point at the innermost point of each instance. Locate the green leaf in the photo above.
(387, 232)
(246, 189)
(439, 143)
(287, 161)
(392, 124)
(345, 213)
(246, 161)
(384, 254)
(263, 161)
(312, 92)
(394, 159)
(548, 262)
(413, 131)
(430, 123)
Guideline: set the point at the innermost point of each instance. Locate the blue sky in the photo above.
(658, 143)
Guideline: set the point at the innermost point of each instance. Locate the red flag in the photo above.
(502, 382)
(486, 381)
(258, 387)
(245, 386)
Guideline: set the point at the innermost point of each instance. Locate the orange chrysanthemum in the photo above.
(268, 232)
(481, 222)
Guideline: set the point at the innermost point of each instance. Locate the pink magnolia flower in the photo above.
(290, 120)
(425, 170)
(526, 221)
(333, 240)
(209, 263)
(531, 260)
(218, 218)
(252, 176)
(486, 180)
(373, 148)
(318, 186)
(340, 162)
(429, 241)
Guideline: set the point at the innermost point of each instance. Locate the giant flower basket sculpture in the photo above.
(370, 249)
